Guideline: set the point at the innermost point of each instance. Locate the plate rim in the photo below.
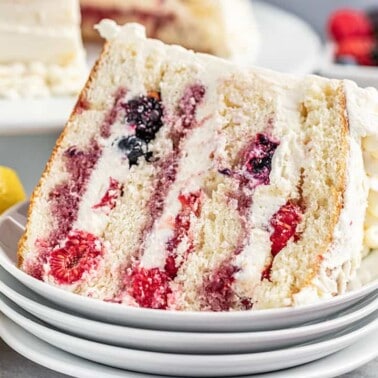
(328, 325)
(27, 322)
(48, 362)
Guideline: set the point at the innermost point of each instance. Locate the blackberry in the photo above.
(134, 148)
(145, 113)
(259, 158)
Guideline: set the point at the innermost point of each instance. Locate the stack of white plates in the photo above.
(84, 337)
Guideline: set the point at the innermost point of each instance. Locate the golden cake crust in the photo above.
(80, 104)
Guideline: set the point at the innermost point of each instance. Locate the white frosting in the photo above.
(367, 272)
(41, 52)
(363, 114)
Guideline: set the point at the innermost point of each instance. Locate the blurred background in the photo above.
(316, 12)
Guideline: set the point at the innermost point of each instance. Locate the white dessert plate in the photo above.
(12, 226)
(179, 342)
(278, 30)
(353, 357)
(189, 365)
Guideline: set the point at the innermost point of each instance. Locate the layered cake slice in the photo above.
(220, 27)
(183, 182)
(41, 51)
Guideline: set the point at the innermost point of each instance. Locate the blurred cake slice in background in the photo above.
(220, 27)
(41, 51)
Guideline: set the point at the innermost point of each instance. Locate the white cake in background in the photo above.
(41, 51)
(184, 182)
(220, 27)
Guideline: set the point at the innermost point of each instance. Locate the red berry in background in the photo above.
(360, 48)
(346, 23)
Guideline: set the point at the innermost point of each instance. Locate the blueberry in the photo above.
(259, 158)
(145, 113)
(134, 148)
(346, 60)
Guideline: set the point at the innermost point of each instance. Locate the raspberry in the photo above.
(79, 255)
(284, 224)
(149, 287)
(258, 158)
(145, 114)
(110, 197)
(360, 48)
(346, 23)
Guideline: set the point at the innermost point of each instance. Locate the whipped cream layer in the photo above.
(363, 115)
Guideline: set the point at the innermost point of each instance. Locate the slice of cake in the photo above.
(220, 27)
(184, 182)
(41, 51)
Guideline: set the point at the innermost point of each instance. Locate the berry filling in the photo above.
(190, 205)
(65, 197)
(187, 109)
(110, 197)
(218, 292)
(79, 255)
(149, 287)
(113, 114)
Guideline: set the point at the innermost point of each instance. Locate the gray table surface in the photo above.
(28, 154)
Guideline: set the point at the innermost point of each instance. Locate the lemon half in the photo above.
(11, 189)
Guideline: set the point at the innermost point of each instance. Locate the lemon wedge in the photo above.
(11, 189)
